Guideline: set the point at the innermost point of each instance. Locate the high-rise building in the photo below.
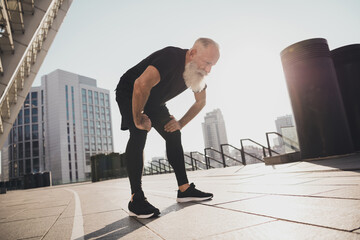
(214, 133)
(60, 126)
(285, 125)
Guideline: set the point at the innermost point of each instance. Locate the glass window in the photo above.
(35, 131)
(34, 114)
(96, 98)
(91, 112)
(107, 114)
(102, 102)
(83, 93)
(35, 149)
(107, 102)
(36, 165)
(21, 168)
(27, 115)
(27, 132)
(21, 150)
(34, 99)
(27, 101)
(28, 165)
(86, 130)
(90, 97)
(27, 149)
(20, 133)
(20, 117)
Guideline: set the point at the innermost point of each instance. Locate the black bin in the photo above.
(347, 66)
(318, 108)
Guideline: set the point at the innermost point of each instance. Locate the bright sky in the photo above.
(102, 39)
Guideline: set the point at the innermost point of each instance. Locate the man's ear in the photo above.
(193, 52)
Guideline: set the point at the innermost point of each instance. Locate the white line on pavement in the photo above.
(78, 226)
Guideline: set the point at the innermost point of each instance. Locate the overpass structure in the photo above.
(27, 30)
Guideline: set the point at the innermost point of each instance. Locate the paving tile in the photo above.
(352, 192)
(115, 225)
(336, 181)
(203, 220)
(62, 229)
(26, 228)
(285, 230)
(305, 190)
(36, 213)
(339, 214)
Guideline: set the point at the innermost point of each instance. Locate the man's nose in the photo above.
(208, 69)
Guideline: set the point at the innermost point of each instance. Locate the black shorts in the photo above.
(159, 115)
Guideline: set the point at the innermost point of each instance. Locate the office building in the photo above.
(60, 126)
(214, 133)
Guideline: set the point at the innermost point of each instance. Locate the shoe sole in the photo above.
(131, 214)
(192, 199)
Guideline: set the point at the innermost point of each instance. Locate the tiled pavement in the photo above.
(301, 200)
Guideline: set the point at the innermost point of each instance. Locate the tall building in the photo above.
(285, 125)
(60, 126)
(214, 133)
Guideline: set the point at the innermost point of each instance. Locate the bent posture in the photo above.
(142, 94)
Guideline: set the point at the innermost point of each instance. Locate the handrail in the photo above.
(223, 154)
(280, 135)
(207, 158)
(243, 150)
(259, 144)
(197, 160)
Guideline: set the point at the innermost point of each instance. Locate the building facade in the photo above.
(214, 133)
(60, 126)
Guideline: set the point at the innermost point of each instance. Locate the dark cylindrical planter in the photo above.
(47, 179)
(39, 179)
(319, 113)
(347, 66)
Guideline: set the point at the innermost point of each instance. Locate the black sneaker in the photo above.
(141, 208)
(192, 194)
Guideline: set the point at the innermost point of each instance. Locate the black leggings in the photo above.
(135, 146)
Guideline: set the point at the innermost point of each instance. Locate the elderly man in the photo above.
(141, 95)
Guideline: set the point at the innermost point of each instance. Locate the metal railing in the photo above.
(243, 162)
(283, 137)
(208, 158)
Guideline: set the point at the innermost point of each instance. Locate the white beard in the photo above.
(194, 77)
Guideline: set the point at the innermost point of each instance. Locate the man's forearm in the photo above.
(191, 113)
(139, 100)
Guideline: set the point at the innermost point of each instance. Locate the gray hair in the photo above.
(205, 42)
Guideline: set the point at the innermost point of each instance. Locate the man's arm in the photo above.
(142, 87)
(200, 101)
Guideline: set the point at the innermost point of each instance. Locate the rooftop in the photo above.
(302, 200)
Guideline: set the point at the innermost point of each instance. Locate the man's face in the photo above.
(206, 58)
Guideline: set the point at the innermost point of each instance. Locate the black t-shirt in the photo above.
(170, 62)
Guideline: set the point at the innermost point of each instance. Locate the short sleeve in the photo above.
(162, 61)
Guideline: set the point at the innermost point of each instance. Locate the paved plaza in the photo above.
(301, 200)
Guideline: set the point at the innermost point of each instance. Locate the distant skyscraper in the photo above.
(282, 123)
(61, 124)
(214, 132)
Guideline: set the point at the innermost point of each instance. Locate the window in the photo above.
(28, 165)
(83, 93)
(91, 112)
(34, 114)
(107, 102)
(102, 102)
(20, 134)
(35, 131)
(27, 149)
(27, 115)
(96, 98)
(34, 99)
(90, 97)
(27, 132)
(20, 119)
(36, 165)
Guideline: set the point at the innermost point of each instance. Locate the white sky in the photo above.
(102, 39)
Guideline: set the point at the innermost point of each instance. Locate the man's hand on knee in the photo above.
(173, 125)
